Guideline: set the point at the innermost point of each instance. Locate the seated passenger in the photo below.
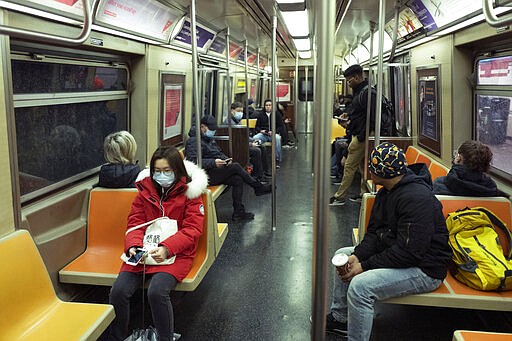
(121, 170)
(264, 129)
(257, 153)
(172, 190)
(220, 169)
(404, 250)
(468, 177)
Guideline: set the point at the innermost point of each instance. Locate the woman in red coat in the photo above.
(173, 189)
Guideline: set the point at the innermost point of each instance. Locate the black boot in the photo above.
(241, 216)
(262, 189)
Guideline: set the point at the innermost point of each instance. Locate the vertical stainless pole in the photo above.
(380, 69)
(228, 90)
(247, 85)
(195, 94)
(274, 109)
(306, 69)
(296, 95)
(369, 102)
(257, 92)
(322, 153)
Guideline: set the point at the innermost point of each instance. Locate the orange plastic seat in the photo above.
(411, 154)
(30, 308)
(469, 335)
(336, 130)
(436, 170)
(108, 212)
(422, 158)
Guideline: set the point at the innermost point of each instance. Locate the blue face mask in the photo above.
(238, 115)
(164, 179)
(209, 133)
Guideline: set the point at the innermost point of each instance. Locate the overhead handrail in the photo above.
(395, 32)
(50, 38)
(491, 18)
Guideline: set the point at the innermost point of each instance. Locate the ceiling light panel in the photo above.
(297, 23)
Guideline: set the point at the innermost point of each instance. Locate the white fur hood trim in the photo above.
(195, 187)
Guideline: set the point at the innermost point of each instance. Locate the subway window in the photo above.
(493, 120)
(63, 109)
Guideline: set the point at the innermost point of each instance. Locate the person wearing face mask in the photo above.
(257, 152)
(220, 169)
(171, 187)
(264, 129)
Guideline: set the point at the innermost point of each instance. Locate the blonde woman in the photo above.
(121, 170)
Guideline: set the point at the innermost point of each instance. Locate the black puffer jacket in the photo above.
(463, 181)
(116, 175)
(209, 150)
(407, 228)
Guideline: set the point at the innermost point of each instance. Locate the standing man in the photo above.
(220, 168)
(264, 128)
(356, 118)
(404, 250)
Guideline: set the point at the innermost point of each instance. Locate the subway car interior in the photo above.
(75, 71)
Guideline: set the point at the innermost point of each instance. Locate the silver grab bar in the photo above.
(491, 18)
(50, 38)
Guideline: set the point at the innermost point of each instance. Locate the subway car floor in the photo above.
(259, 287)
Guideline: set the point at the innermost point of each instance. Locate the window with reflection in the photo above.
(60, 127)
(493, 119)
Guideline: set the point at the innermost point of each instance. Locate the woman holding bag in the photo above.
(172, 189)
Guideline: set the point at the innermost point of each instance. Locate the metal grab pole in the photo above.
(380, 67)
(195, 94)
(228, 89)
(273, 115)
(322, 154)
(55, 39)
(369, 102)
(246, 104)
(296, 101)
(257, 79)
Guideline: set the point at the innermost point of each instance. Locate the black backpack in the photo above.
(387, 118)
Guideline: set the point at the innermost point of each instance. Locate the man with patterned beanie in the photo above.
(404, 250)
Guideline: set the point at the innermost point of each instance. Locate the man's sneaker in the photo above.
(278, 166)
(337, 181)
(333, 201)
(335, 327)
(357, 198)
(241, 216)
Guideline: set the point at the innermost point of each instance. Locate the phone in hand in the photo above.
(137, 257)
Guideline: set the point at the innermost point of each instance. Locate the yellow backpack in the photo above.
(480, 260)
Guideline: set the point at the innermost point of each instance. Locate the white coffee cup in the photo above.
(340, 260)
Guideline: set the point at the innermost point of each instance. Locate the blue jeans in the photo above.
(353, 302)
(268, 138)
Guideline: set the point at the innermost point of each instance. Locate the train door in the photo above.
(305, 101)
(400, 88)
(206, 91)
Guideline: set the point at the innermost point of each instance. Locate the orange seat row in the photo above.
(106, 227)
(452, 293)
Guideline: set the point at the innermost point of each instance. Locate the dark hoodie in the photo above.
(462, 181)
(116, 175)
(407, 228)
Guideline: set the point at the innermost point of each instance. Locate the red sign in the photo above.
(234, 50)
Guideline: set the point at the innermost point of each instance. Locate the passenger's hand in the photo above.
(220, 163)
(287, 120)
(159, 254)
(354, 268)
(132, 251)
